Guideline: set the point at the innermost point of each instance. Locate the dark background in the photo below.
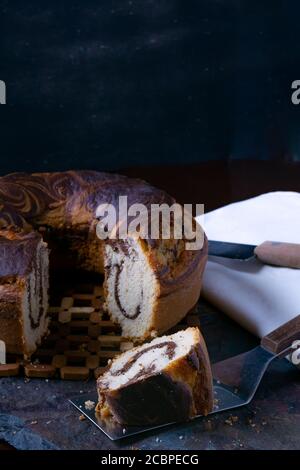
(113, 84)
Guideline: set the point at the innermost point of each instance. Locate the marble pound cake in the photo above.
(150, 284)
(166, 380)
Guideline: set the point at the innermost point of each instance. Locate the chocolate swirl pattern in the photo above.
(34, 195)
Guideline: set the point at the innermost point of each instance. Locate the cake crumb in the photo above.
(216, 403)
(180, 437)
(89, 405)
(82, 418)
(231, 420)
(34, 422)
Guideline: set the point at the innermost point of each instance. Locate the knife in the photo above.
(269, 252)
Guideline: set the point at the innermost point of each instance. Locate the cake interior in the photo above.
(148, 359)
(35, 300)
(130, 287)
(74, 249)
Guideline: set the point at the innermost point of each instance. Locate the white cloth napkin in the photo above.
(259, 297)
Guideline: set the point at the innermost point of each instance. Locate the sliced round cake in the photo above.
(150, 284)
(166, 380)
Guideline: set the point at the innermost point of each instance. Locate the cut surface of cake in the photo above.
(148, 290)
(166, 380)
(23, 291)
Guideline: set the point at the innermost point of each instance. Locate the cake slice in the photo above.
(166, 380)
(23, 291)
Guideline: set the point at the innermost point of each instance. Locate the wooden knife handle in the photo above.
(279, 254)
(283, 337)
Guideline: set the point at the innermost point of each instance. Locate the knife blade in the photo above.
(230, 250)
(269, 252)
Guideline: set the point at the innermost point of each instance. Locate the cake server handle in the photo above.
(283, 337)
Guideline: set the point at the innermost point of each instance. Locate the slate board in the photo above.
(37, 415)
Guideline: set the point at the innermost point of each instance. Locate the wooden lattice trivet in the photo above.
(82, 339)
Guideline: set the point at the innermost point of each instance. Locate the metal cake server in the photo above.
(235, 380)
